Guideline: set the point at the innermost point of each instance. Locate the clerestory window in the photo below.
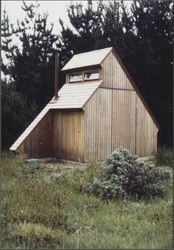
(75, 77)
(84, 76)
(91, 75)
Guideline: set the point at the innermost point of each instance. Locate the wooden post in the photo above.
(56, 78)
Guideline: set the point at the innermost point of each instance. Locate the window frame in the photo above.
(82, 73)
(91, 71)
(77, 73)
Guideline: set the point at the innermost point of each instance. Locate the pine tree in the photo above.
(87, 33)
(15, 114)
(32, 66)
(8, 48)
(28, 70)
(152, 59)
(14, 110)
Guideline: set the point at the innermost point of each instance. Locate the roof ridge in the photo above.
(92, 51)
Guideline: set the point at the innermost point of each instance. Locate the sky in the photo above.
(55, 9)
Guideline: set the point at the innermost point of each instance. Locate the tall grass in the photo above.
(165, 156)
(42, 206)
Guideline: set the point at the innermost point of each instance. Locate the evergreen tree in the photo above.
(118, 30)
(13, 109)
(32, 66)
(87, 33)
(15, 114)
(152, 59)
(28, 70)
(108, 25)
(8, 47)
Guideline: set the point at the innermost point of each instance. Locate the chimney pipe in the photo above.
(56, 79)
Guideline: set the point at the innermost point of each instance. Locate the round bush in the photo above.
(126, 178)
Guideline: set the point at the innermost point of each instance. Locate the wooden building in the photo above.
(99, 109)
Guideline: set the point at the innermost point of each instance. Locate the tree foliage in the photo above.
(15, 114)
(87, 31)
(153, 59)
(28, 69)
(31, 67)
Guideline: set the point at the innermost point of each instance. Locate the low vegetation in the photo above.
(43, 206)
(125, 177)
(165, 156)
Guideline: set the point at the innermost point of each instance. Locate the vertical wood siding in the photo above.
(146, 131)
(39, 142)
(113, 74)
(59, 134)
(123, 120)
(117, 118)
(68, 134)
(98, 125)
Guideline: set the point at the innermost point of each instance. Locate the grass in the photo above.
(42, 206)
(165, 156)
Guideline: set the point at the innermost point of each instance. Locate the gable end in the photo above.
(135, 88)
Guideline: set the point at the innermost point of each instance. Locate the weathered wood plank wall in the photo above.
(68, 134)
(39, 141)
(113, 74)
(59, 134)
(98, 125)
(146, 131)
(116, 117)
(123, 120)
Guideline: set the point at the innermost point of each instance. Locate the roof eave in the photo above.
(82, 68)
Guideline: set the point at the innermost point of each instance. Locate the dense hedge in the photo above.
(127, 178)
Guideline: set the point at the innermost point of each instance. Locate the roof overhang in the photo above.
(87, 59)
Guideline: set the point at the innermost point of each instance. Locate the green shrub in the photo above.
(126, 178)
(165, 156)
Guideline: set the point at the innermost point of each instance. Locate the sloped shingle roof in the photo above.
(90, 58)
(71, 96)
(74, 95)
